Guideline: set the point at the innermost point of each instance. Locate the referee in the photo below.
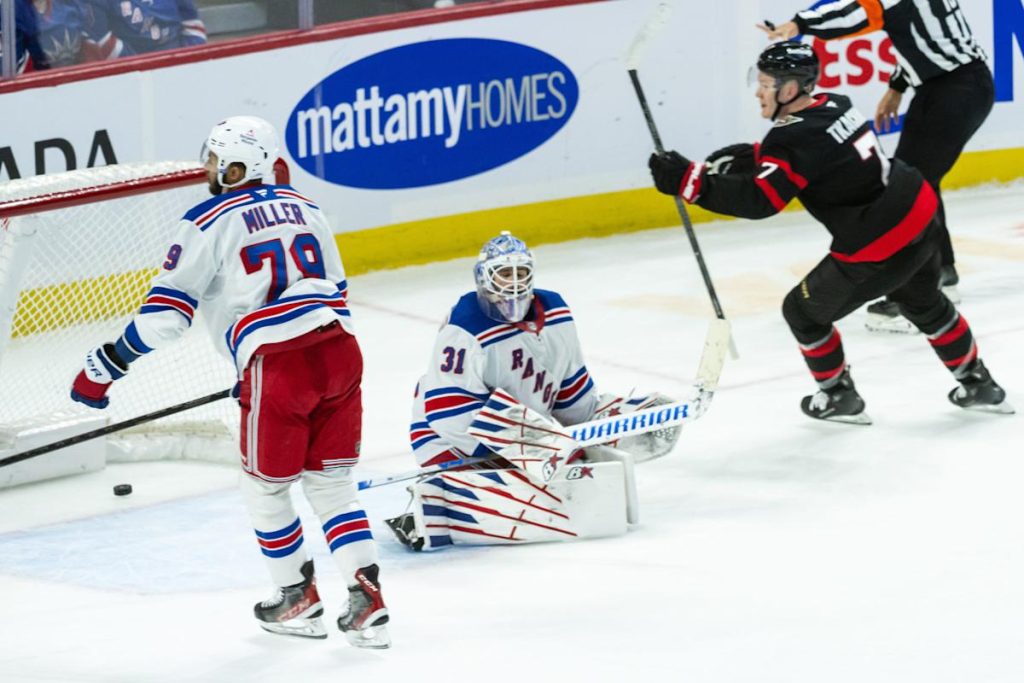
(938, 56)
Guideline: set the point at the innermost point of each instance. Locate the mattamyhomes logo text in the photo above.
(430, 113)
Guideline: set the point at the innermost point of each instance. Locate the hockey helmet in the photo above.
(504, 278)
(790, 60)
(247, 140)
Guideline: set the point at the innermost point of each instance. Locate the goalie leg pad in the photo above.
(510, 506)
(278, 528)
(332, 494)
(609, 454)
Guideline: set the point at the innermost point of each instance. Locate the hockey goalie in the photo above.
(507, 339)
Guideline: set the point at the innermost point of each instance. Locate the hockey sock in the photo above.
(332, 495)
(278, 529)
(281, 548)
(954, 345)
(825, 358)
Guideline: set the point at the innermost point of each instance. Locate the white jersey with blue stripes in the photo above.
(539, 361)
(262, 264)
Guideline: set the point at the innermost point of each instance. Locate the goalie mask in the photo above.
(247, 140)
(504, 278)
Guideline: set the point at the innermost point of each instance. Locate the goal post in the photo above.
(77, 253)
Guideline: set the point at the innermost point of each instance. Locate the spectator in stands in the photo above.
(27, 51)
(118, 28)
(61, 31)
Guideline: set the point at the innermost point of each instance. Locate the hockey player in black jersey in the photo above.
(881, 214)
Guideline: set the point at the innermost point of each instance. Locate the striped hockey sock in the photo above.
(282, 549)
(825, 358)
(954, 344)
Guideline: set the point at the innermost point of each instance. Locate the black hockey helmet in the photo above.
(791, 60)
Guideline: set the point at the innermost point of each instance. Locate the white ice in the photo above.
(772, 548)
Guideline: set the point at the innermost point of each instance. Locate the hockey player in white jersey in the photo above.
(508, 335)
(261, 262)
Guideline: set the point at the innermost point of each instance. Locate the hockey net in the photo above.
(77, 253)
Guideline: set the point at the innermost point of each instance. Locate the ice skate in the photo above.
(294, 610)
(404, 528)
(838, 403)
(884, 316)
(978, 391)
(364, 621)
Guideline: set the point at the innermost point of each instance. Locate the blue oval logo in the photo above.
(430, 113)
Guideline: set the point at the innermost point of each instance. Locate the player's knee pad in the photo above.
(930, 318)
(264, 497)
(803, 322)
(330, 492)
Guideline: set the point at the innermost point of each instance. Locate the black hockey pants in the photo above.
(943, 115)
(834, 289)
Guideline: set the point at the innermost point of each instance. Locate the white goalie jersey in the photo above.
(262, 262)
(539, 361)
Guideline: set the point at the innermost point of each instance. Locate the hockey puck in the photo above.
(122, 489)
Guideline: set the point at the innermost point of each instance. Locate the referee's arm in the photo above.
(841, 19)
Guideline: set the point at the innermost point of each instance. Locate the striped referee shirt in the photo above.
(930, 37)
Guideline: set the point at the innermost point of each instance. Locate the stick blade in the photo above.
(659, 19)
(716, 346)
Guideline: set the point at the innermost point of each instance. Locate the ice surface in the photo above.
(772, 548)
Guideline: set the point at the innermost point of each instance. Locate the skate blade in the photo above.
(372, 638)
(1003, 408)
(897, 325)
(303, 628)
(858, 419)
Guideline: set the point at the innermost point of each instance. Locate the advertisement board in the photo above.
(420, 139)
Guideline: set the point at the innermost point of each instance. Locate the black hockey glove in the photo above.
(739, 158)
(668, 170)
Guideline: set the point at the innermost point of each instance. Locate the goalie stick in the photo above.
(508, 427)
(654, 25)
(499, 431)
(420, 472)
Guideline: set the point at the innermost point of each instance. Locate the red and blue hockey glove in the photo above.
(668, 170)
(102, 367)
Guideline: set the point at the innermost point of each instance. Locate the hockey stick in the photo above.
(512, 423)
(650, 29)
(510, 428)
(420, 472)
(116, 427)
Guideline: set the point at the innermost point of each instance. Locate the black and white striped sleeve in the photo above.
(899, 81)
(841, 18)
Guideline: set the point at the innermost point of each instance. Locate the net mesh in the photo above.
(71, 279)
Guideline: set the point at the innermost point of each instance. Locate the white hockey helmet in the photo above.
(504, 278)
(247, 140)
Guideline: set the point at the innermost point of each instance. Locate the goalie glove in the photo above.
(103, 366)
(739, 158)
(643, 447)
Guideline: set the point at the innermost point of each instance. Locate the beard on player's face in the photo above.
(211, 174)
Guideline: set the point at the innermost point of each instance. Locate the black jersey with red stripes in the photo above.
(828, 156)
